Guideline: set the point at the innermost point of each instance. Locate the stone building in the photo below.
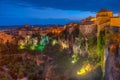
(6, 38)
(27, 30)
(106, 20)
(88, 26)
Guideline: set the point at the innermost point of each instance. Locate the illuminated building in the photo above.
(6, 38)
(27, 30)
(88, 26)
(106, 19)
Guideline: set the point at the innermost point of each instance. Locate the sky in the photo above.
(35, 12)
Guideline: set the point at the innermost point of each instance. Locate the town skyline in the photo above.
(86, 50)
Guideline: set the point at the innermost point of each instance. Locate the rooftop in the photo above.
(104, 10)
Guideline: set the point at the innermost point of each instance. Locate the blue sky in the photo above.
(18, 12)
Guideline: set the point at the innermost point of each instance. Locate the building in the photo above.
(6, 38)
(106, 20)
(27, 30)
(88, 26)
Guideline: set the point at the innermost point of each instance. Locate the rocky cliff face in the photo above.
(113, 62)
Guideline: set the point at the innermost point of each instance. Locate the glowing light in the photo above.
(32, 47)
(21, 44)
(54, 42)
(28, 37)
(84, 70)
(73, 62)
(74, 58)
(21, 47)
(45, 40)
(41, 47)
(27, 40)
(63, 44)
(35, 41)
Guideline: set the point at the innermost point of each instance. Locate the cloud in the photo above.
(32, 21)
(81, 5)
(53, 11)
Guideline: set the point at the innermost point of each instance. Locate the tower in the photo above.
(103, 19)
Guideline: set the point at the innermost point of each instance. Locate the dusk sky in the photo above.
(18, 12)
